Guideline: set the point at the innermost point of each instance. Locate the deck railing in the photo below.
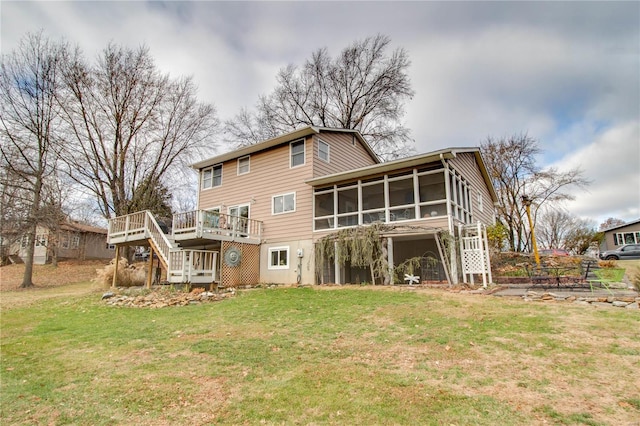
(193, 266)
(128, 227)
(140, 226)
(203, 222)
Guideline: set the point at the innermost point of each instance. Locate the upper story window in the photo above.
(323, 151)
(284, 203)
(297, 153)
(243, 165)
(212, 177)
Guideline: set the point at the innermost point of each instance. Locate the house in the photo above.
(628, 233)
(262, 209)
(72, 240)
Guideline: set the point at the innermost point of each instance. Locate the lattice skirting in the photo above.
(247, 272)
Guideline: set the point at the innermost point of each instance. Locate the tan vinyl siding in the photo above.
(465, 163)
(270, 175)
(346, 153)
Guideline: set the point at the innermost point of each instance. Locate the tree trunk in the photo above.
(27, 279)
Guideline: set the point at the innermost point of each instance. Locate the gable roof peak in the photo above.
(279, 140)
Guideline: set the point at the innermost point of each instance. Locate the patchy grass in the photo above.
(319, 356)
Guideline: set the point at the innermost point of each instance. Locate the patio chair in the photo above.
(607, 276)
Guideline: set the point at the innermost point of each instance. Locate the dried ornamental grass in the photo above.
(128, 275)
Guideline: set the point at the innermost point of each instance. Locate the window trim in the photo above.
(279, 249)
(202, 178)
(75, 241)
(273, 207)
(304, 153)
(248, 158)
(320, 143)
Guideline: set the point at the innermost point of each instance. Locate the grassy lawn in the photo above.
(328, 355)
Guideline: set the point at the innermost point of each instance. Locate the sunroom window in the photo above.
(403, 196)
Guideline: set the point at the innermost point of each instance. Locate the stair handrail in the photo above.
(162, 243)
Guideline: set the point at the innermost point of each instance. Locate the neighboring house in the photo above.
(73, 240)
(263, 207)
(617, 236)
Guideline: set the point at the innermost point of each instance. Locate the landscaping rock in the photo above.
(634, 305)
(162, 298)
(619, 303)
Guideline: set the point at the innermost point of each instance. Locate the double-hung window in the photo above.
(212, 177)
(284, 203)
(323, 151)
(297, 153)
(243, 165)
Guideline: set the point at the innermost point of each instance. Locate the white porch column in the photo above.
(336, 264)
(454, 260)
(390, 259)
(464, 273)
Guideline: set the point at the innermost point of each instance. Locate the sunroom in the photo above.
(417, 194)
(415, 200)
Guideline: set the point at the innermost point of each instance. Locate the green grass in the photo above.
(308, 356)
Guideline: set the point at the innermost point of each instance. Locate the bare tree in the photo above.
(29, 81)
(611, 223)
(553, 226)
(363, 88)
(129, 125)
(511, 163)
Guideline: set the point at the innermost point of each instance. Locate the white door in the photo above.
(239, 215)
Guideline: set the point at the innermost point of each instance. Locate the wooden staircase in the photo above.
(182, 265)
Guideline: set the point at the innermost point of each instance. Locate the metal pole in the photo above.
(115, 268)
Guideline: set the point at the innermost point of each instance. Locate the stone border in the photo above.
(162, 298)
(610, 301)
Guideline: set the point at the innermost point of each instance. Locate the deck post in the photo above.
(150, 269)
(115, 267)
(390, 261)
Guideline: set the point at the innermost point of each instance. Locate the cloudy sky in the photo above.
(566, 73)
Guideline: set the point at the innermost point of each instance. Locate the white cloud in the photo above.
(611, 163)
(565, 72)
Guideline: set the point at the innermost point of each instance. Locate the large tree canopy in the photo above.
(30, 78)
(129, 125)
(511, 163)
(363, 88)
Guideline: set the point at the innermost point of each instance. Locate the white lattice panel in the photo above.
(472, 262)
